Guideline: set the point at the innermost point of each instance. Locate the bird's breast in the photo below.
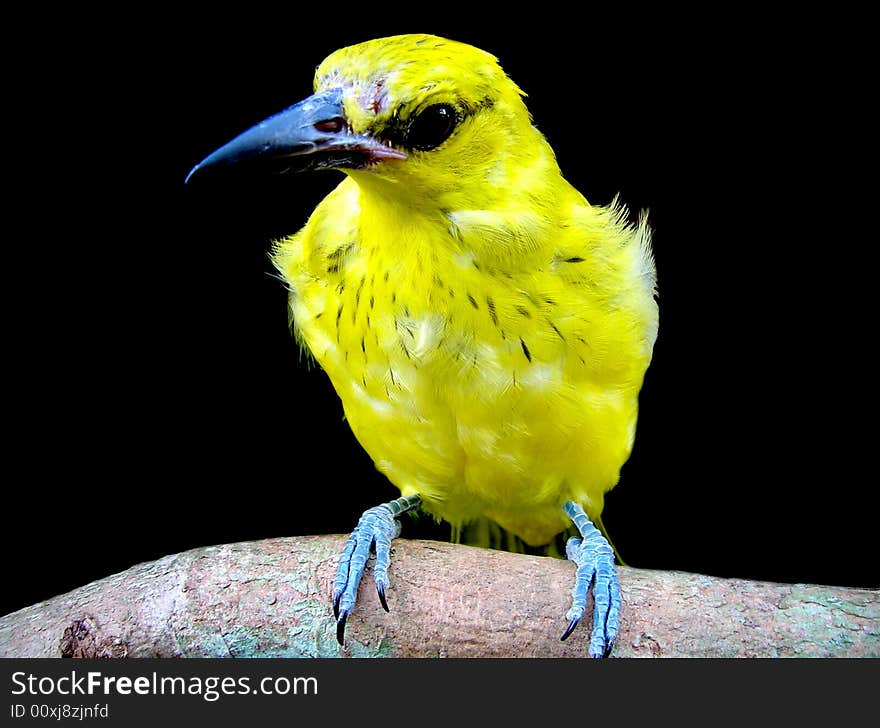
(486, 392)
(462, 393)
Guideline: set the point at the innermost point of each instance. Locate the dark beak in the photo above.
(312, 134)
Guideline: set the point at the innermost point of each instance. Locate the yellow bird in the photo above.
(486, 328)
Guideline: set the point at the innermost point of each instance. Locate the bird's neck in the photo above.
(397, 222)
(501, 227)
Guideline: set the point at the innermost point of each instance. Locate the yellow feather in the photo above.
(486, 328)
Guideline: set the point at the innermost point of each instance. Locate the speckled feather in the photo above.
(486, 328)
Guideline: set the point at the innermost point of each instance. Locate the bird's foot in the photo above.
(374, 531)
(595, 561)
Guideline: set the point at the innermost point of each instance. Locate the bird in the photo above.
(485, 327)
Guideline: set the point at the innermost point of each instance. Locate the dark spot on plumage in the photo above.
(503, 335)
(451, 293)
(405, 326)
(318, 315)
(477, 265)
(363, 344)
(492, 313)
(340, 287)
(575, 259)
(368, 320)
(526, 350)
(357, 295)
(553, 326)
(406, 311)
(372, 301)
(335, 258)
(438, 281)
(339, 313)
(473, 302)
(364, 380)
(394, 297)
(487, 102)
(549, 301)
(385, 277)
(523, 311)
(340, 251)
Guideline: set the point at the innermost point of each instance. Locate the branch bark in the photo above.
(272, 599)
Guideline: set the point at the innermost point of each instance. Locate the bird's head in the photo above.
(414, 115)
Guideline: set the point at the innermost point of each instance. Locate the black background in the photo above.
(156, 401)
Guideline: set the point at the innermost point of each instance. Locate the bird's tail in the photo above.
(485, 533)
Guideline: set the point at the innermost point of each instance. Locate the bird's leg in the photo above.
(595, 561)
(376, 528)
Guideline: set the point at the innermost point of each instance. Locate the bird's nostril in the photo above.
(331, 126)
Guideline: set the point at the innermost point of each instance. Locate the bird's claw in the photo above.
(375, 530)
(340, 629)
(380, 588)
(568, 630)
(595, 561)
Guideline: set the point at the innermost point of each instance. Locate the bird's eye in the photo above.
(431, 128)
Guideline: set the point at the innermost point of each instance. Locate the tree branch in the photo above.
(272, 599)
